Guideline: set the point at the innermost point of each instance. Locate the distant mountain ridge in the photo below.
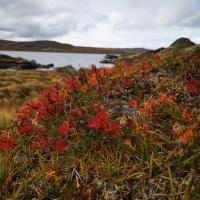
(53, 46)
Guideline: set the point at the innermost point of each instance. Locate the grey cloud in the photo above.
(193, 21)
(99, 22)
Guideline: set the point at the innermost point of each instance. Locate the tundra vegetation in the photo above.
(127, 132)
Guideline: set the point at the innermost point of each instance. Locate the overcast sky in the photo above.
(103, 23)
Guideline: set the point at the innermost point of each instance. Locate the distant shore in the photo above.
(56, 47)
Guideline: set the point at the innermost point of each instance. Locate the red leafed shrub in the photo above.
(102, 121)
(6, 143)
(193, 86)
(66, 129)
(66, 109)
(60, 146)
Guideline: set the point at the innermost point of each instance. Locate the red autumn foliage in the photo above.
(186, 137)
(66, 129)
(187, 117)
(192, 86)
(63, 111)
(146, 66)
(6, 143)
(134, 104)
(102, 121)
(26, 128)
(60, 146)
(113, 127)
(158, 60)
(54, 97)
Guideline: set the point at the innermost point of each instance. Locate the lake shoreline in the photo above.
(77, 60)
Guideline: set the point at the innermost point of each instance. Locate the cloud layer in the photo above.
(113, 23)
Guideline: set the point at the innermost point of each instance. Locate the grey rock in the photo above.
(109, 59)
(67, 68)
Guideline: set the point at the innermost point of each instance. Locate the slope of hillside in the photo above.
(182, 43)
(52, 46)
(173, 55)
(128, 132)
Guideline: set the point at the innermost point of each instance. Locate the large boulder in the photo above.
(66, 69)
(109, 59)
(182, 43)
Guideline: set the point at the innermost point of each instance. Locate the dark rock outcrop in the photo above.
(109, 59)
(8, 62)
(182, 43)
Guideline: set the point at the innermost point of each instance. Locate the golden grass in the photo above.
(7, 115)
(18, 87)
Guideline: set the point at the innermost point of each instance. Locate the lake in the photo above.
(77, 60)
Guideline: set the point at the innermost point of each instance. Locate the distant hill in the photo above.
(52, 46)
(182, 43)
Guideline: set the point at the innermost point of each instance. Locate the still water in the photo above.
(77, 60)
